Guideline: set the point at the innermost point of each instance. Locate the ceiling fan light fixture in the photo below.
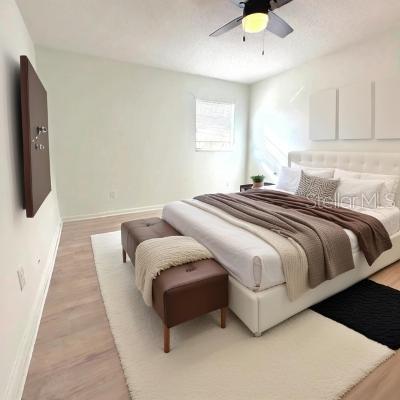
(254, 23)
(258, 16)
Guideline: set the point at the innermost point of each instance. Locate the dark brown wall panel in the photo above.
(37, 182)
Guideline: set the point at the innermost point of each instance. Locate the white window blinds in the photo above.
(214, 126)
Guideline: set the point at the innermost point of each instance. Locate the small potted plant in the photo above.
(258, 181)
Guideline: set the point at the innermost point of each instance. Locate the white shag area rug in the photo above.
(308, 357)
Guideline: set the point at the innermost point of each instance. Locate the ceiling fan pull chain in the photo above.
(263, 50)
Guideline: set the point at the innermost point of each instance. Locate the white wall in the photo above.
(23, 242)
(279, 117)
(129, 129)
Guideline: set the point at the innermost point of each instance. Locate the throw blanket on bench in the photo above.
(156, 255)
(317, 228)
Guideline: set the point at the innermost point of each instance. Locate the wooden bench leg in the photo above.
(123, 255)
(223, 317)
(166, 339)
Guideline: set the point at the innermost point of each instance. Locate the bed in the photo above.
(258, 294)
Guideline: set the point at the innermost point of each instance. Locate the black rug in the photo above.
(368, 308)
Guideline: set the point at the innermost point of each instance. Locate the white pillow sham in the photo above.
(387, 195)
(319, 172)
(343, 174)
(358, 192)
(289, 178)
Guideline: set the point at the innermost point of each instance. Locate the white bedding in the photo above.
(390, 218)
(248, 258)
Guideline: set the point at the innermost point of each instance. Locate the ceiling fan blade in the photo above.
(227, 27)
(278, 26)
(279, 3)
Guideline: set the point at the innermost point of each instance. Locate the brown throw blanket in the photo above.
(318, 228)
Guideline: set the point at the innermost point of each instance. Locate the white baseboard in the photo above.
(103, 214)
(16, 382)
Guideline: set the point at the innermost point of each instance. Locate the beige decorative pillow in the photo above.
(316, 188)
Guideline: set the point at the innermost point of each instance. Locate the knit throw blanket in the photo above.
(156, 255)
(293, 258)
(372, 236)
(318, 229)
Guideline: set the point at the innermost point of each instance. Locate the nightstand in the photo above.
(245, 188)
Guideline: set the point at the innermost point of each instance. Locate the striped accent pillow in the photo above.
(316, 188)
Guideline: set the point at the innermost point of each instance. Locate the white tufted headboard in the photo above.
(376, 163)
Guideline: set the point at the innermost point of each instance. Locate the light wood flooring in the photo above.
(75, 357)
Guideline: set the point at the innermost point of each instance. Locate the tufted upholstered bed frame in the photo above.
(261, 311)
(375, 163)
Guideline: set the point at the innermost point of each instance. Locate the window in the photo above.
(214, 126)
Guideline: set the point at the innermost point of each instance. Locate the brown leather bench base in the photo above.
(180, 293)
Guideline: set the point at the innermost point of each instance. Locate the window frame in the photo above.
(229, 145)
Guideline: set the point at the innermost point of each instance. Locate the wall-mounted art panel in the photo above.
(37, 179)
(355, 111)
(387, 109)
(323, 115)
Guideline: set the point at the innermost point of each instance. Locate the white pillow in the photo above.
(388, 192)
(342, 174)
(387, 195)
(320, 172)
(358, 192)
(289, 179)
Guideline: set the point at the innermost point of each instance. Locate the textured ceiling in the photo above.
(174, 34)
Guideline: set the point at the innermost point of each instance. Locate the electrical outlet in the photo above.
(21, 278)
(113, 195)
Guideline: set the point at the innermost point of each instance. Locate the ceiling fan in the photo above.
(258, 16)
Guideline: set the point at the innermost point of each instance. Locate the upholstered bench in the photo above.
(179, 293)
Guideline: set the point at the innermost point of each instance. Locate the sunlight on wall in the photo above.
(273, 132)
(279, 118)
